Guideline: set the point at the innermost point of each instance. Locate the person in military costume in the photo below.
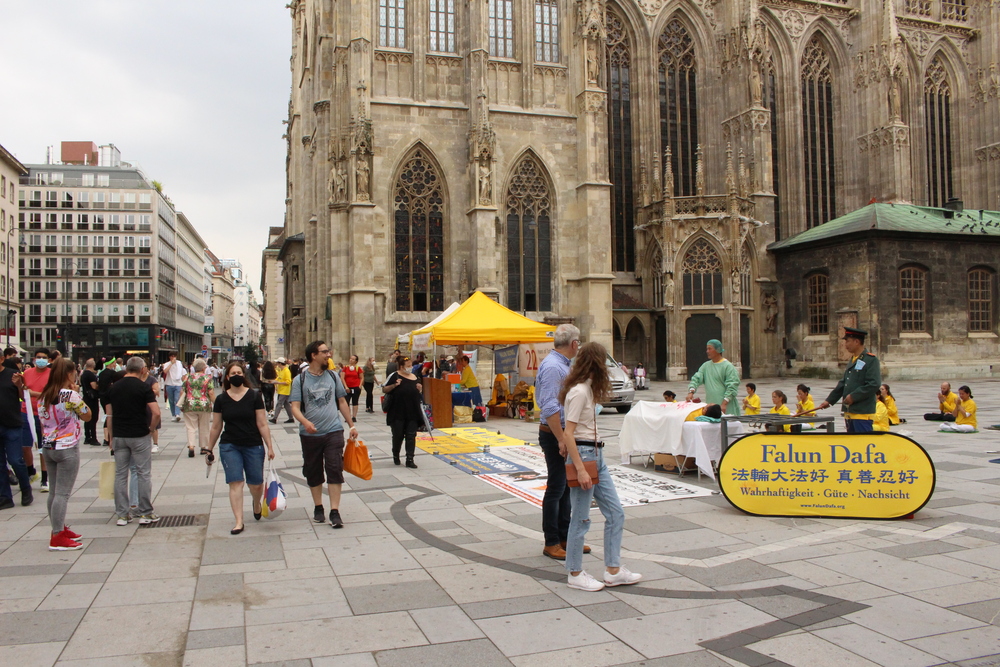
(859, 386)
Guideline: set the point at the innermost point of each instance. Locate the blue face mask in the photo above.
(41, 363)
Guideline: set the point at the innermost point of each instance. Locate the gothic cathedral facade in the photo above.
(622, 165)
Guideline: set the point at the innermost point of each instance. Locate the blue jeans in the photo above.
(26, 432)
(555, 502)
(173, 395)
(611, 507)
(859, 425)
(11, 453)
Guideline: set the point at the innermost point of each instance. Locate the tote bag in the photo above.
(356, 459)
(274, 494)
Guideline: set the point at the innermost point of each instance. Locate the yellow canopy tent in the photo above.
(482, 321)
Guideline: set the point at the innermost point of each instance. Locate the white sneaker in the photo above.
(148, 519)
(177, 418)
(156, 449)
(585, 582)
(623, 578)
(123, 520)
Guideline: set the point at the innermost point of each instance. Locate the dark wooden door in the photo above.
(698, 330)
(745, 344)
(661, 348)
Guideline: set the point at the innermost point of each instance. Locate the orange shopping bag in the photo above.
(356, 459)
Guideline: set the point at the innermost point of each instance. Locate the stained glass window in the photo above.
(502, 28)
(419, 236)
(529, 234)
(913, 299)
(679, 104)
(702, 270)
(817, 129)
(619, 73)
(980, 300)
(937, 107)
(392, 23)
(442, 25)
(546, 31)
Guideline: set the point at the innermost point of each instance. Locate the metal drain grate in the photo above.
(178, 521)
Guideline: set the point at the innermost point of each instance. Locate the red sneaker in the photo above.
(70, 534)
(62, 542)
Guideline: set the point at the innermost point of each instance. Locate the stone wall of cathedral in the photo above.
(520, 147)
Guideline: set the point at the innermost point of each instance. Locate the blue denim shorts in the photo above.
(238, 460)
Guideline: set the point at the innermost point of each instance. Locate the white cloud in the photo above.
(193, 91)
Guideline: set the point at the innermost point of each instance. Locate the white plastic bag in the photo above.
(274, 500)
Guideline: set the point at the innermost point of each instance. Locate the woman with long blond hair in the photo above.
(62, 413)
(584, 388)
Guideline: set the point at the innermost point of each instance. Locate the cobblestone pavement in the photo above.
(437, 568)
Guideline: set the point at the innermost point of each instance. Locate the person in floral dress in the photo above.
(199, 397)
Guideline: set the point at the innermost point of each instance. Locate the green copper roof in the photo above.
(899, 218)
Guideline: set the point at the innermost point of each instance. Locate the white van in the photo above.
(622, 388)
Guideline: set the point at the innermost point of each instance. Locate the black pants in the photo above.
(90, 428)
(939, 417)
(408, 429)
(555, 502)
(369, 399)
(267, 390)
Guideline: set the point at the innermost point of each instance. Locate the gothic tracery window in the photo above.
(392, 23)
(771, 101)
(656, 271)
(619, 84)
(419, 236)
(937, 108)
(817, 130)
(746, 275)
(702, 269)
(529, 251)
(678, 104)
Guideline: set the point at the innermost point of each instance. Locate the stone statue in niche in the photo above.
(770, 303)
(340, 184)
(895, 109)
(362, 174)
(593, 66)
(485, 184)
(668, 289)
(756, 84)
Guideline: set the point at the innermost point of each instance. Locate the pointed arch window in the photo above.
(937, 108)
(529, 250)
(656, 271)
(817, 129)
(771, 101)
(702, 270)
(678, 104)
(619, 84)
(746, 275)
(419, 235)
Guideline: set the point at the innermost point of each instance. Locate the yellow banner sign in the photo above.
(446, 444)
(483, 436)
(861, 476)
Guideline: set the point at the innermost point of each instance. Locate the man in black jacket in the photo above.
(11, 389)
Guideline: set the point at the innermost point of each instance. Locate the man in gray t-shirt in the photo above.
(316, 399)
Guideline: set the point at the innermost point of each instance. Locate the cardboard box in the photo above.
(498, 410)
(671, 461)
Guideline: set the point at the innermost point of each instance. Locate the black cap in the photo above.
(850, 332)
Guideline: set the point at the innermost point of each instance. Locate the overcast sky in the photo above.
(192, 91)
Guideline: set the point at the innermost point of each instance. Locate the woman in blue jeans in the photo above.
(240, 410)
(585, 386)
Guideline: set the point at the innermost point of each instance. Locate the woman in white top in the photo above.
(585, 386)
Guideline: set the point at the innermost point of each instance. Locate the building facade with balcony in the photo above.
(223, 307)
(272, 286)
(98, 275)
(11, 171)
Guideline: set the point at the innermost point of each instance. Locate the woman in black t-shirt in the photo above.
(241, 420)
(404, 415)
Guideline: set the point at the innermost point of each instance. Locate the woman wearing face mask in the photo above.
(242, 421)
(35, 379)
(403, 416)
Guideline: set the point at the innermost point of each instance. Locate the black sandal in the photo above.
(237, 531)
(256, 514)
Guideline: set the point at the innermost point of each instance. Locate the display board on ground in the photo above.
(858, 475)
(465, 440)
(521, 472)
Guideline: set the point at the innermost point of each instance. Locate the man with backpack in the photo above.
(318, 402)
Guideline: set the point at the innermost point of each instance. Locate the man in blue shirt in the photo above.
(317, 397)
(555, 504)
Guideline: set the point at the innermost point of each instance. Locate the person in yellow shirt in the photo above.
(713, 410)
(780, 402)
(890, 405)
(804, 406)
(947, 401)
(669, 397)
(751, 404)
(283, 385)
(965, 413)
(469, 380)
(881, 421)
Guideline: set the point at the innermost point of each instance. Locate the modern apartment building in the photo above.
(11, 171)
(99, 272)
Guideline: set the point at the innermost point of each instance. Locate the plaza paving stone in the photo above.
(434, 567)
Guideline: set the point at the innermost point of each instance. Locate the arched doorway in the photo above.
(635, 344)
(616, 341)
(698, 330)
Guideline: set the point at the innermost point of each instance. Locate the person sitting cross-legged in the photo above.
(965, 413)
(947, 401)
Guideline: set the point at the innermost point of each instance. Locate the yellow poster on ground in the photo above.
(484, 436)
(446, 444)
(859, 475)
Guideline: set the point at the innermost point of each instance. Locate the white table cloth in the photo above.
(660, 428)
